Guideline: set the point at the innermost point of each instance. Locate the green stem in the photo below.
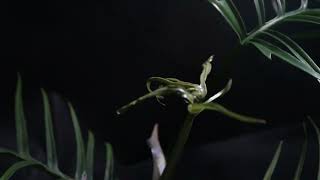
(178, 147)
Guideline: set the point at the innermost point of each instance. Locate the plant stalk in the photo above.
(178, 147)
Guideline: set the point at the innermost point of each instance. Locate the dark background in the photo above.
(98, 55)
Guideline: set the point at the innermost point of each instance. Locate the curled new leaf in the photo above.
(221, 93)
(197, 108)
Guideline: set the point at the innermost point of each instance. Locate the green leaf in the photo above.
(109, 171)
(42, 166)
(265, 51)
(197, 108)
(232, 15)
(304, 18)
(318, 139)
(273, 163)
(299, 169)
(279, 6)
(9, 152)
(52, 157)
(15, 167)
(21, 127)
(260, 8)
(90, 156)
(294, 48)
(272, 49)
(80, 164)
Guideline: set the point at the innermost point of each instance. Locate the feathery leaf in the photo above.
(15, 167)
(80, 164)
(109, 171)
(197, 108)
(90, 156)
(52, 157)
(21, 127)
(261, 13)
(277, 51)
(299, 169)
(316, 128)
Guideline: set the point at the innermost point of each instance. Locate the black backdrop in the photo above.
(98, 55)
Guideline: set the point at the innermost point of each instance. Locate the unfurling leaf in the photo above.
(197, 108)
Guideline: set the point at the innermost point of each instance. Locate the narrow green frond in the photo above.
(294, 48)
(279, 7)
(261, 13)
(52, 157)
(232, 15)
(197, 108)
(316, 128)
(273, 163)
(109, 171)
(305, 18)
(16, 167)
(265, 51)
(21, 127)
(299, 169)
(90, 156)
(275, 50)
(80, 163)
(44, 167)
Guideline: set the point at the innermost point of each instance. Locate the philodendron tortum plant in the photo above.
(195, 96)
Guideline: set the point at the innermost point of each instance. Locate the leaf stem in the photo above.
(178, 147)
